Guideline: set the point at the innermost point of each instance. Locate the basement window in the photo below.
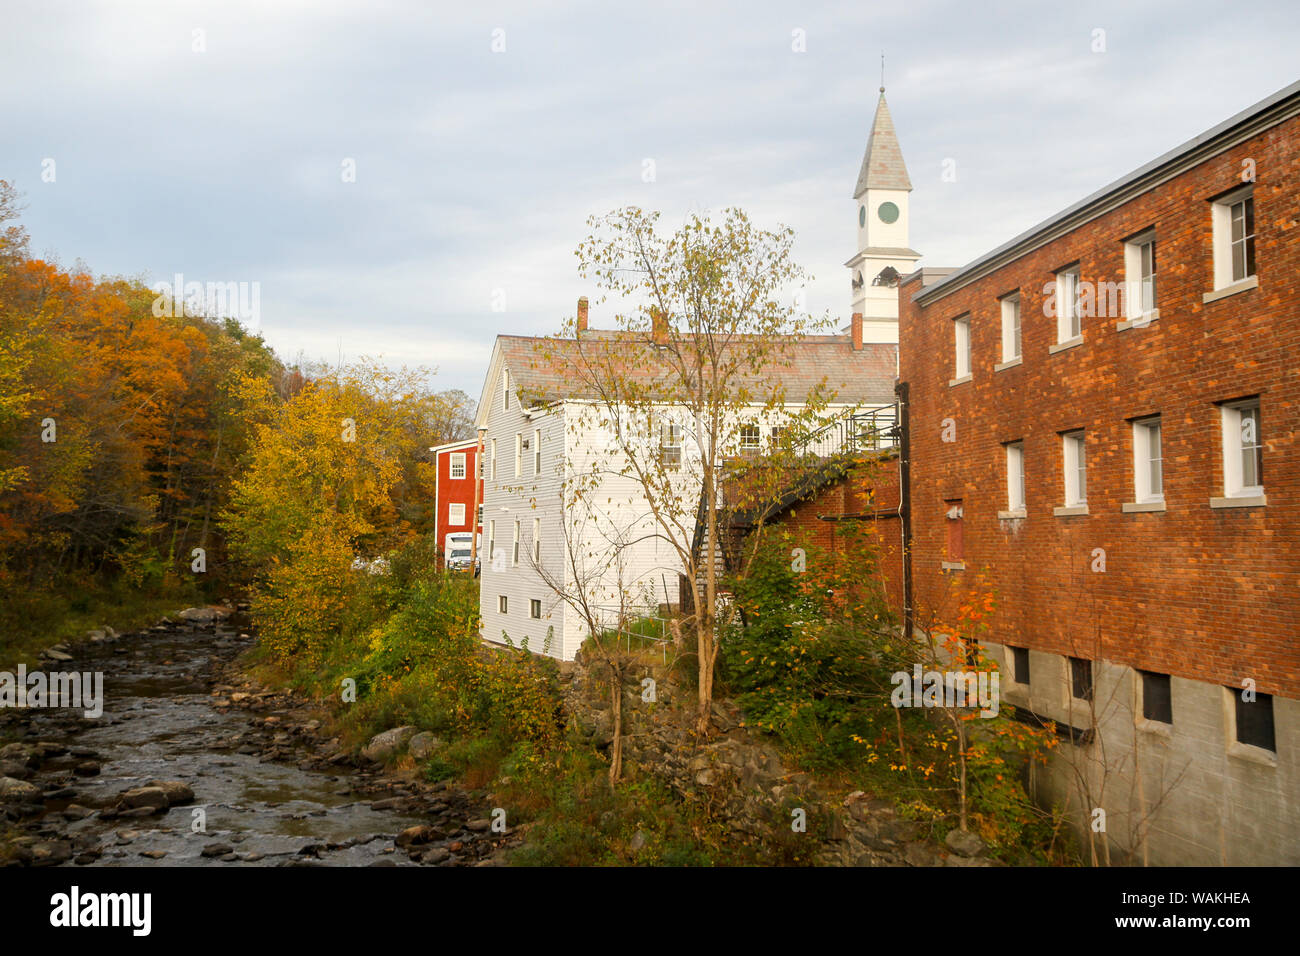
(1081, 678)
(1157, 702)
(1020, 665)
(1255, 720)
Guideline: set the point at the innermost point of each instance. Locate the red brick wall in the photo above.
(845, 496)
(1195, 592)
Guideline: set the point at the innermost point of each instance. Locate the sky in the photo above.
(407, 180)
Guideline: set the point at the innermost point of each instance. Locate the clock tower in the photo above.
(880, 212)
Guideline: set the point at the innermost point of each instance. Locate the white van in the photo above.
(456, 555)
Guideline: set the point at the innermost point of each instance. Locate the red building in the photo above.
(457, 499)
(1103, 417)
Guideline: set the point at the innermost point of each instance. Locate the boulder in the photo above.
(423, 746)
(177, 791)
(385, 745)
(965, 843)
(18, 791)
(145, 797)
(414, 836)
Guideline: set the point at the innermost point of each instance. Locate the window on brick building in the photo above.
(1015, 476)
(1010, 326)
(953, 516)
(1157, 702)
(480, 516)
(1020, 665)
(1081, 678)
(1148, 460)
(1069, 319)
(1254, 720)
(1140, 275)
(1233, 229)
(1243, 449)
(961, 347)
(456, 512)
(1075, 463)
(458, 464)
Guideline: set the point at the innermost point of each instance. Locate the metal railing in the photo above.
(866, 429)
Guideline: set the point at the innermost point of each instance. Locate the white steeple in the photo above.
(880, 209)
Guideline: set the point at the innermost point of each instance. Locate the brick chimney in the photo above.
(582, 314)
(855, 328)
(658, 325)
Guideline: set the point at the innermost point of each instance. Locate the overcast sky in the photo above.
(475, 170)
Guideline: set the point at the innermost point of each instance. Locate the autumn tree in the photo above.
(670, 399)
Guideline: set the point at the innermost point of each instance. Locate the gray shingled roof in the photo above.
(882, 164)
(865, 376)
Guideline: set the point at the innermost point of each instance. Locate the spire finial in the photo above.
(882, 71)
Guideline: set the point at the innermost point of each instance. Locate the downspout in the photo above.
(905, 501)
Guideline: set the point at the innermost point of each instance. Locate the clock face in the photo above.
(862, 215)
(887, 212)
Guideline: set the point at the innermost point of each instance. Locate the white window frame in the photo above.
(751, 438)
(1015, 452)
(514, 548)
(537, 541)
(519, 454)
(1139, 307)
(492, 538)
(961, 358)
(537, 452)
(535, 609)
(1221, 211)
(1074, 460)
(1010, 305)
(503, 604)
(1234, 446)
(1069, 322)
(456, 462)
(670, 445)
(505, 389)
(455, 512)
(1148, 460)
(494, 459)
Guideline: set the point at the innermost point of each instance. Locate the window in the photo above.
(778, 432)
(519, 454)
(537, 452)
(750, 438)
(1148, 463)
(458, 464)
(1010, 327)
(503, 604)
(492, 539)
(1140, 277)
(1254, 720)
(1015, 476)
(537, 541)
(456, 512)
(956, 543)
(961, 348)
(514, 549)
(1233, 227)
(1075, 460)
(1243, 450)
(1081, 678)
(535, 609)
(670, 445)
(494, 459)
(1020, 665)
(505, 389)
(1157, 704)
(480, 516)
(1069, 320)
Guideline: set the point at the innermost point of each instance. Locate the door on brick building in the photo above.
(955, 553)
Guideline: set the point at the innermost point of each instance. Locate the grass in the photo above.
(34, 620)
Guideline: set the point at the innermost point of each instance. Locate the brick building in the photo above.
(1103, 431)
